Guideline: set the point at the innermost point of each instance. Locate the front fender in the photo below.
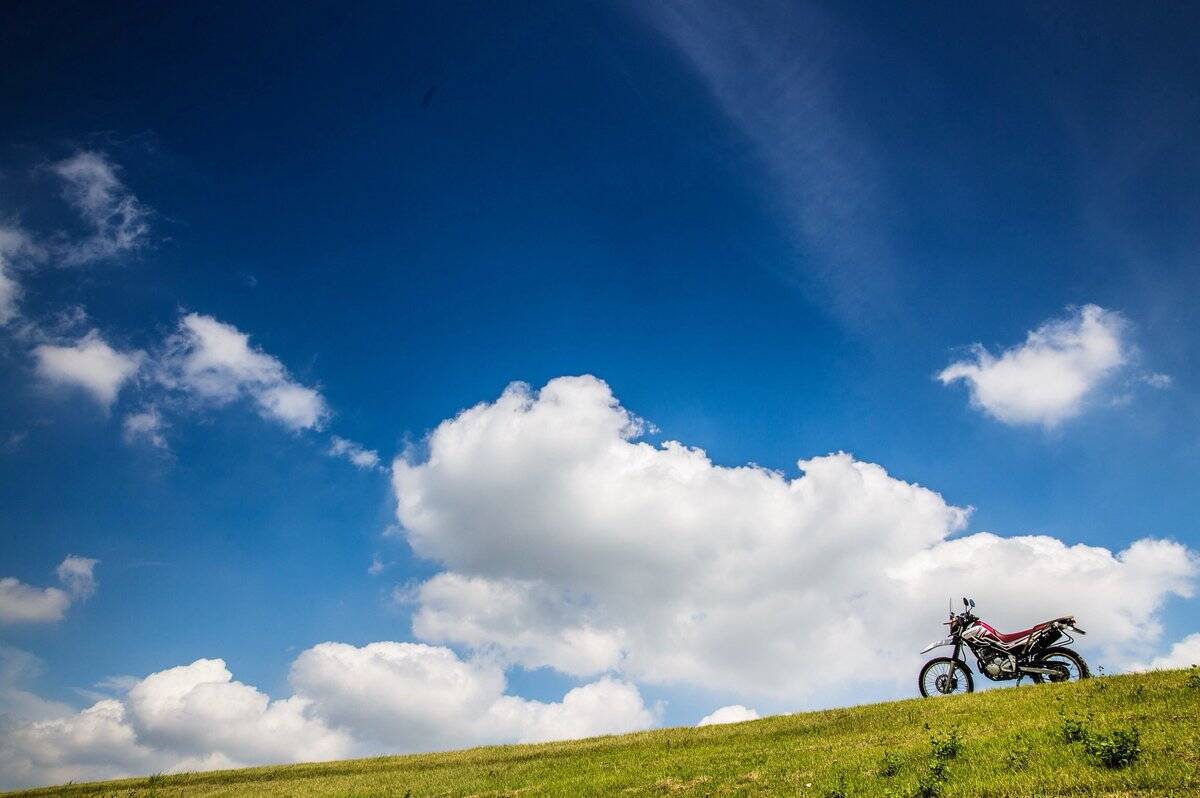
(949, 641)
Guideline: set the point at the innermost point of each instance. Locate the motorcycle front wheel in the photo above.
(945, 676)
(1070, 665)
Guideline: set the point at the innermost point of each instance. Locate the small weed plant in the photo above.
(889, 766)
(1073, 730)
(932, 780)
(942, 749)
(1017, 757)
(1193, 680)
(946, 748)
(1118, 749)
(839, 789)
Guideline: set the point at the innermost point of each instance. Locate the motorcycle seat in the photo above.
(1013, 637)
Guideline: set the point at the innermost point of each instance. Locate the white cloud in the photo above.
(199, 710)
(1048, 378)
(348, 701)
(76, 573)
(117, 219)
(735, 713)
(89, 363)
(193, 717)
(356, 454)
(146, 426)
(215, 362)
(22, 603)
(411, 697)
(568, 543)
(1184, 654)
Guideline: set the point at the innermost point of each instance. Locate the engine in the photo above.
(998, 664)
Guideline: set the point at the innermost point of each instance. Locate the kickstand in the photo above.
(1019, 678)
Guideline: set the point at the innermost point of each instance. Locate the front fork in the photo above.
(956, 657)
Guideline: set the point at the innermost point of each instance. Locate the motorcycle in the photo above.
(1037, 652)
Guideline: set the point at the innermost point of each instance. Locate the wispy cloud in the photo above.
(771, 69)
(145, 426)
(10, 292)
(15, 244)
(356, 454)
(215, 362)
(118, 220)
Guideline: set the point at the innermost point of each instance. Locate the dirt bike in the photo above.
(1034, 652)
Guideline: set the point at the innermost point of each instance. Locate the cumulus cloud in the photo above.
(22, 603)
(356, 454)
(193, 717)
(567, 542)
(118, 221)
(1184, 654)
(410, 696)
(735, 713)
(89, 363)
(145, 426)
(348, 701)
(216, 363)
(1047, 379)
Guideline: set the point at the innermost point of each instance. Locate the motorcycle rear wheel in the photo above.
(945, 676)
(1074, 668)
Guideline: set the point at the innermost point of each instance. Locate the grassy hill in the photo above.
(1011, 742)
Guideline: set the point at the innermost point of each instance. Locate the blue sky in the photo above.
(767, 231)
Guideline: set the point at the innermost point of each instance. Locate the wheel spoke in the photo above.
(1068, 668)
(944, 678)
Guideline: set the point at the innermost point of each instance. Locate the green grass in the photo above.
(1011, 743)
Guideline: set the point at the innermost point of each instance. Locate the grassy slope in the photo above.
(789, 755)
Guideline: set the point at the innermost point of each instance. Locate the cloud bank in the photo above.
(347, 701)
(1048, 378)
(567, 542)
